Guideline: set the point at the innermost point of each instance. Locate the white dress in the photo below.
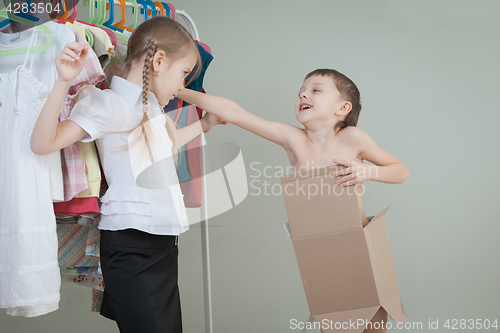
(29, 272)
(44, 69)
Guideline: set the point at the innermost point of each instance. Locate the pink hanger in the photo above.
(172, 11)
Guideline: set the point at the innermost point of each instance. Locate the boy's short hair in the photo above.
(348, 91)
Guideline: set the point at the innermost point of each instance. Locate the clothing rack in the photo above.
(189, 21)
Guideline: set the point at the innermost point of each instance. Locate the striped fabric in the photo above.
(74, 239)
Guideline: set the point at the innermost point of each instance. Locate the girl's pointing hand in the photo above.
(70, 61)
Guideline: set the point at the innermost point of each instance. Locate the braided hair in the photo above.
(151, 36)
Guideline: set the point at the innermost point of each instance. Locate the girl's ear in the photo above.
(345, 108)
(159, 57)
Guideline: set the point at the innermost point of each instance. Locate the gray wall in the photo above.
(429, 79)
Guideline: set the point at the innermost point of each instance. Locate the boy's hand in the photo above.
(355, 173)
(70, 61)
(209, 120)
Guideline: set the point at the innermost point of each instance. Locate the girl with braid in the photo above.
(142, 214)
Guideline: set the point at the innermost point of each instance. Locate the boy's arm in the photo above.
(189, 132)
(280, 133)
(387, 168)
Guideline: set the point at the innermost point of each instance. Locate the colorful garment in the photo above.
(75, 179)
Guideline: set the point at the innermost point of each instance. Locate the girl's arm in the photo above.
(280, 133)
(387, 168)
(48, 135)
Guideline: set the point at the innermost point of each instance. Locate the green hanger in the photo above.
(121, 37)
(90, 37)
(101, 17)
(135, 11)
(34, 49)
(91, 4)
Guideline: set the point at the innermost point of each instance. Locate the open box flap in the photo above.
(347, 318)
(381, 213)
(395, 309)
(381, 259)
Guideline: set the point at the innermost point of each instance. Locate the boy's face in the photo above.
(318, 100)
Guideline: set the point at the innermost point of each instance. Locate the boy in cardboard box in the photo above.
(328, 106)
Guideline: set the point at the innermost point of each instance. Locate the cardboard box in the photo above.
(347, 270)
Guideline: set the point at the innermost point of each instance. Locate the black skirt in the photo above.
(140, 275)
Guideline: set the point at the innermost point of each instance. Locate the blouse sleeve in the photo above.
(92, 112)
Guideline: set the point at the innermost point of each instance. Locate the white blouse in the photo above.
(142, 195)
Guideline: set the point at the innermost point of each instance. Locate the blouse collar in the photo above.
(130, 91)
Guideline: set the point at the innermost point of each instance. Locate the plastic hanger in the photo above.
(110, 6)
(145, 4)
(160, 5)
(88, 21)
(153, 12)
(64, 15)
(123, 14)
(135, 13)
(90, 37)
(100, 13)
(190, 23)
(74, 12)
(35, 49)
(100, 17)
(55, 13)
(172, 11)
(109, 23)
(91, 4)
(141, 2)
(167, 8)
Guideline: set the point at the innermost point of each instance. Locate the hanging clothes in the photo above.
(190, 165)
(78, 28)
(115, 67)
(29, 275)
(73, 237)
(75, 179)
(102, 52)
(92, 171)
(45, 71)
(107, 38)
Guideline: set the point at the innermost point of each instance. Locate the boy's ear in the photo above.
(344, 109)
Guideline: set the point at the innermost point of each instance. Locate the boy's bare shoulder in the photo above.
(353, 135)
